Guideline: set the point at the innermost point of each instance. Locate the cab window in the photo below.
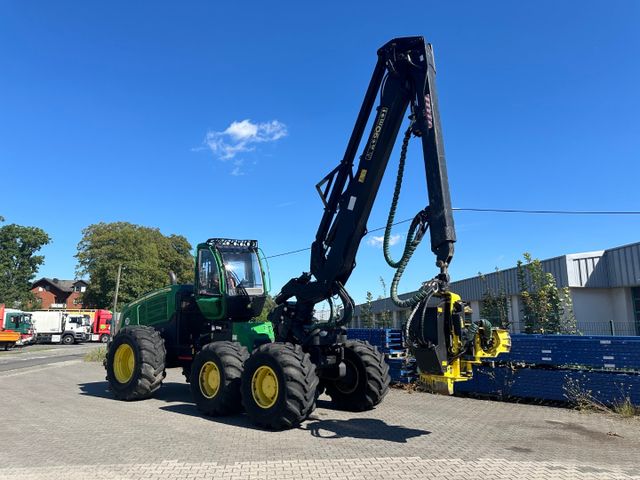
(208, 281)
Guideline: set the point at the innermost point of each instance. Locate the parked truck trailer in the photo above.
(20, 321)
(60, 327)
(8, 337)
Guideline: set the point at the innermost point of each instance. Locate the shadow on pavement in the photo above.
(365, 428)
(169, 392)
(237, 420)
(179, 398)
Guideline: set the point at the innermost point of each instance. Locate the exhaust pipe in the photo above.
(172, 278)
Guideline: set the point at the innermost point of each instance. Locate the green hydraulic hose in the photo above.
(412, 242)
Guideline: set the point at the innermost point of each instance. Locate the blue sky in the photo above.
(117, 111)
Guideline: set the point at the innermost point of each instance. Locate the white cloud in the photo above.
(237, 168)
(242, 136)
(377, 241)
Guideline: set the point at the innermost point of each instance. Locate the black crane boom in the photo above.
(404, 76)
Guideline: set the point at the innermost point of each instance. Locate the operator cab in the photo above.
(229, 279)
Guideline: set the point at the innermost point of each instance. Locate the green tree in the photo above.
(19, 262)
(386, 316)
(545, 307)
(366, 312)
(146, 256)
(494, 305)
(269, 305)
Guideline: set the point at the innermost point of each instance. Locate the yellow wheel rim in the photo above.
(209, 380)
(264, 387)
(124, 361)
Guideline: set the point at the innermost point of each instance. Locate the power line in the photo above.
(551, 212)
(496, 210)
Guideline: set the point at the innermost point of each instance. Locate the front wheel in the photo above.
(215, 377)
(366, 381)
(279, 386)
(68, 340)
(135, 363)
(104, 338)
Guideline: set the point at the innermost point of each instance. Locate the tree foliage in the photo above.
(366, 312)
(146, 256)
(386, 316)
(269, 305)
(494, 305)
(19, 262)
(545, 307)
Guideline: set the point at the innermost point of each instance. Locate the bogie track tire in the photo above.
(215, 377)
(279, 385)
(366, 382)
(135, 363)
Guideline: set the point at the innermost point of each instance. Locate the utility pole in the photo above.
(114, 322)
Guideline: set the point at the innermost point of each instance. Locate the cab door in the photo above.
(209, 284)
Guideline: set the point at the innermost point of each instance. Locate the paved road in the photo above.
(34, 355)
(66, 423)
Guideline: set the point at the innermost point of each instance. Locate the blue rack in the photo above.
(611, 353)
(538, 366)
(402, 369)
(552, 384)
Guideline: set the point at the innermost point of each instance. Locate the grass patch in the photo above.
(626, 409)
(96, 355)
(585, 401)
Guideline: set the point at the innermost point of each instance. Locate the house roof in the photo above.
(62, 285)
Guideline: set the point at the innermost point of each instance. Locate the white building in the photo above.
(604, 287)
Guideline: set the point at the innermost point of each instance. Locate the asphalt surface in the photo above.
(66, 425)
(35, 355)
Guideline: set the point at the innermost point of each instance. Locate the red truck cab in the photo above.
(101, 326)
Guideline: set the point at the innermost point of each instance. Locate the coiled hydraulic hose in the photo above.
(416, 231)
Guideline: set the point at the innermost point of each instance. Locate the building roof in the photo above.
(612, 268)
(62, 285)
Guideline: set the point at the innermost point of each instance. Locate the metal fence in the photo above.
(603, 327)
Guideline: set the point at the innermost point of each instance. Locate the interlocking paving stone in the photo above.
(71, 427)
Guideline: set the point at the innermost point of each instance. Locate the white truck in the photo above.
(60, 327)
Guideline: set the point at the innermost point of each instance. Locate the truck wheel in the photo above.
(215, 378)
(135, 363)
(279, 386)
(366, 381)
(104, 338)
(68, 340)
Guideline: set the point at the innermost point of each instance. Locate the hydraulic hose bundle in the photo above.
(416, 232)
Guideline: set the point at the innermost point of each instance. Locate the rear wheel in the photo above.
(366, 381)
(215, 378)
(279, 386)
(135, 363)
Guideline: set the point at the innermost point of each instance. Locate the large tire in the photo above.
(216, 376)
(135, 363)
(279, 386)
(68, 340)
(366, 381)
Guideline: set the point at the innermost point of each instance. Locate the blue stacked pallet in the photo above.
(552, 384)
(389, 342)
(622, 353)
(402, 370)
